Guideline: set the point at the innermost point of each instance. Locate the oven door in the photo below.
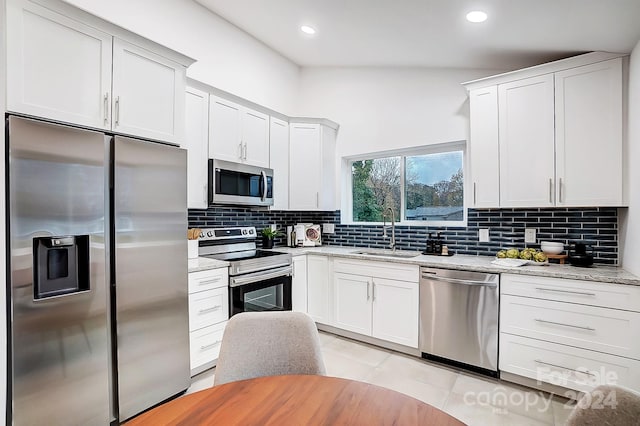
(240, 184)
(261, 291)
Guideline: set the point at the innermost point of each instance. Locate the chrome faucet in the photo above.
(392, 244)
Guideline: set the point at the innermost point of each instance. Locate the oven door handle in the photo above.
(260, 276)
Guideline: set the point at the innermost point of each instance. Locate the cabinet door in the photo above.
(589, 135)
(57, 68)
(305, 166)
(318, 289)
(483, 147)
(196, 142)
(148, 93)
(255, 137)
(299, 284)
(395, 311)
(526, 131)
(353, 303)
(279, 162)
(225, 131)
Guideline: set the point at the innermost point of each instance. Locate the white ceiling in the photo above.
(435, 33)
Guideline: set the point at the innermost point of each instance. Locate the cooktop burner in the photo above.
(244, 255)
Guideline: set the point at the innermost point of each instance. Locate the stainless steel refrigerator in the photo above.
(98, 274)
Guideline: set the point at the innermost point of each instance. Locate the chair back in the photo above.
(607, 405)
(257, 344)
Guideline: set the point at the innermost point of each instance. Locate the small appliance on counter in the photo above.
(578, 255)
(306, 235)
(436, 246)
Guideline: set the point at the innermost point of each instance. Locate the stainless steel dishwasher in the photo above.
(459, 318)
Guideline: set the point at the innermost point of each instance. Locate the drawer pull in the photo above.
(565, 291)
(210, 345)
(565, 325)
(207, 310)
(211, 281)
(564, 368)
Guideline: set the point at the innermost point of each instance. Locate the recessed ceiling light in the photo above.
(476, 16)
(307, 30)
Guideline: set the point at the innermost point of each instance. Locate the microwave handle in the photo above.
(264, 185)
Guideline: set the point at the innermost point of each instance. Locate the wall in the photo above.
(631, 220)
(228, 58)
(388, 108)
(594, 226)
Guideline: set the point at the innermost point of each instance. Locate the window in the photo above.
(423, 188)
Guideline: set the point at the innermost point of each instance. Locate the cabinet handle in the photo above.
(207, 310)
(206, 194)
(368, 283)
(560, 190)
(474, 193)
(317, 200)
(565, 291)
(373, 291)
(117, 110)
(245, 151)
(210, 345)
(551, 190)
(565, 325)
(241, 150)
(105, 103)
(564, 368)
(211, 281)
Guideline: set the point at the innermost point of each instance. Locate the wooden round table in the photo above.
(295, 400)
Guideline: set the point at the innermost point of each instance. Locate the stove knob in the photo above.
(251, 231)
(244, 232)
(209, 233)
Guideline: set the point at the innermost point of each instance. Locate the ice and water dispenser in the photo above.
(60, 265)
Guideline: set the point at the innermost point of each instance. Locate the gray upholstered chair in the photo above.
(257, 344)
(607, 406)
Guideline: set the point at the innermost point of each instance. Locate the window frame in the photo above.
(346, 218)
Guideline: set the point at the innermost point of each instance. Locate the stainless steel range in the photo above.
(259, 280)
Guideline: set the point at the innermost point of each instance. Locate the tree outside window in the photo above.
(430, 190)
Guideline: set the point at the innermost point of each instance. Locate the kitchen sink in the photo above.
(388, 253)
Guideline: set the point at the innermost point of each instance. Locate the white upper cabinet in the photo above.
(312, 170)
(526, 132)
(196, 142)
(148, 93)
(279, 161)
(255, 138)
(237, 133)
(560, 134)
(483, 147)
(589, 123)
(69, 66)
(57, 68)
(225, 132)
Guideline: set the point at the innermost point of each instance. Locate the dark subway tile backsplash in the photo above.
(597, 227)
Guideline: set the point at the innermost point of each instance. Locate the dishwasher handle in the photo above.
(458, 281)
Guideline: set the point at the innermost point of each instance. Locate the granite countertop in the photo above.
(205, 264)
(607, 274)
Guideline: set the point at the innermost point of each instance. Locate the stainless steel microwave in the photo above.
(239, 184)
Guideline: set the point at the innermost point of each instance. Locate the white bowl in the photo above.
(550, 247)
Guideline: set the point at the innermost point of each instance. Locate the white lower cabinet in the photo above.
(208, 315)
(353, 303)
(570, 333)
(299, 284)
(382, 307)
(319, 289)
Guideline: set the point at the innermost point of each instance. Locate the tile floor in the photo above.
(473, 399)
